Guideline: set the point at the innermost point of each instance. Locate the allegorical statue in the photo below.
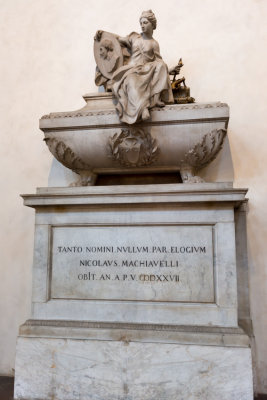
(133, 69)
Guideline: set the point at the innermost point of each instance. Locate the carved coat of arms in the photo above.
(134, 147)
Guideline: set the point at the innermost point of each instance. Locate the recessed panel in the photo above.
(166, 263)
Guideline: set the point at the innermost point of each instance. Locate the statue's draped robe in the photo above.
(136, 84)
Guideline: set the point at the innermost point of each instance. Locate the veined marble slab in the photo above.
(67, 369)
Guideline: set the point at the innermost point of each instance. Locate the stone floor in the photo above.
(7, 386)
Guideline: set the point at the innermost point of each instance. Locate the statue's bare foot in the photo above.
(145, 114)
(160, 103)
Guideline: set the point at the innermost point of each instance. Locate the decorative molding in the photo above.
(121, 325)
(176, 107)
(75, 114)
(134, 147)
(189, 106)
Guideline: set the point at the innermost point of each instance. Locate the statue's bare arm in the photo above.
(157, 51)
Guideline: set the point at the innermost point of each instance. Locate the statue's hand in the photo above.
(175, 70)
(121, 40)
(124, 42)
(98, 35)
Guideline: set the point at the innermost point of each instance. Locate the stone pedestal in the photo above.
(135, 295)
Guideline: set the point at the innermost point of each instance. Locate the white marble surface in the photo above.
(66, 369)
(146, 263)
(153, 215)
(178, 137)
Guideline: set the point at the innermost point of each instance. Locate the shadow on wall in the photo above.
(60, 175)
(221, 169)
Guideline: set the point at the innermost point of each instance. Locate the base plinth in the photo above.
(71, 361)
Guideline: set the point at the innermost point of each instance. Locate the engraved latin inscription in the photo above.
(154, 263)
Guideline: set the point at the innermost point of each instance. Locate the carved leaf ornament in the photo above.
(205, 151)
(65, 155)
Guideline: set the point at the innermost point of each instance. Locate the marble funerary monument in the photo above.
(140, 290)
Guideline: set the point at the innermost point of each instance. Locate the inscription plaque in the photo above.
(144, 263)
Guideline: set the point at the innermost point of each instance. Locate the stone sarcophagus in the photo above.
(178, 137)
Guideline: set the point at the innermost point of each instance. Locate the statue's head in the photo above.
(150, 16)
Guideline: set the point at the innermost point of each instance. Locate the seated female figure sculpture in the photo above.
(140, 81)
